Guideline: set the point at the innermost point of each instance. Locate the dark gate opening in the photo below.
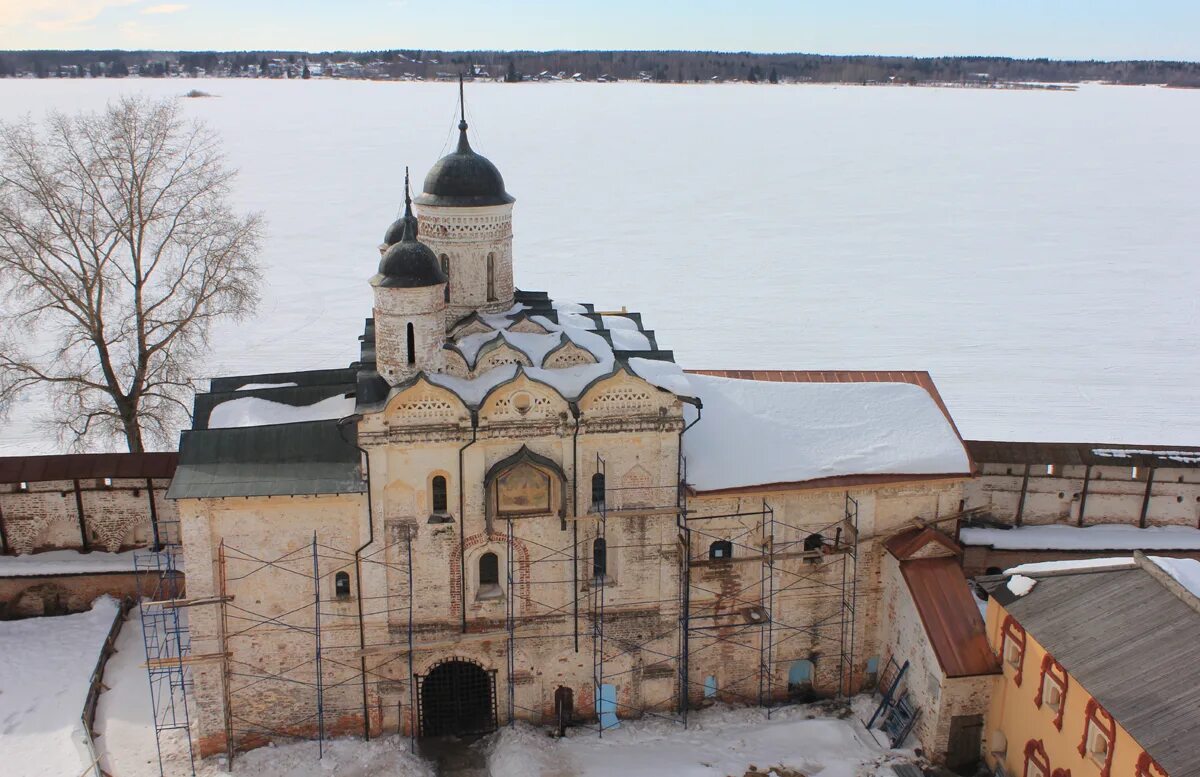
(457, 697)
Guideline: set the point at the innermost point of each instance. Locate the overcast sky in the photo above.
(1062, 29)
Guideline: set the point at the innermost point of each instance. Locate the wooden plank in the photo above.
(171, 604)
(167, 663)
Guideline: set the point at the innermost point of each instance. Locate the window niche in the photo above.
(489, 578)
(720, 550)
(341, 585)
(439, 502)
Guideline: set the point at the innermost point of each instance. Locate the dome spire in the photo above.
(464, 147)
(410, 222)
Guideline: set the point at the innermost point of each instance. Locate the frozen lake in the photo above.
(1037, 252)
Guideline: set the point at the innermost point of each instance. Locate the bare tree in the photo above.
(118, 250)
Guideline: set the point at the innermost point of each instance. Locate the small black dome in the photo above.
(396, 231)
(408, 263)
(464, 179)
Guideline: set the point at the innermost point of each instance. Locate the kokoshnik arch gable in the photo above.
(514, 507)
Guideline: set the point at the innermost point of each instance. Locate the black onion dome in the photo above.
(396, 231)
(464, 179)
(409, 263)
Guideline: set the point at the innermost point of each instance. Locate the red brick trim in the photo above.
(1035, 753)
(1013, 630)
(1104, 721)
(1148, 767)
(457, 578)
(1058, 676)
(1061, 773)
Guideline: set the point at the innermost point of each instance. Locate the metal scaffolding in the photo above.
(777, 612)
(166, 638)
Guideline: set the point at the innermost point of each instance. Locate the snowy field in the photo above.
(45, 667)
(1035, 251)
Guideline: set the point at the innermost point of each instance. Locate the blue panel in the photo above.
(872, 664)
(606, 707)
(710, 687)
(800, 673)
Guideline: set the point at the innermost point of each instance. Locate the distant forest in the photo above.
(663, 66)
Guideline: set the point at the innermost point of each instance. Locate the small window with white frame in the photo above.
(1052, 692)
(1098, 742)
(1012, 651)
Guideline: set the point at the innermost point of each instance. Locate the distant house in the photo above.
(1101, 670)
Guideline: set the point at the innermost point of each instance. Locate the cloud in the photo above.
(55, 15)
(165, 8)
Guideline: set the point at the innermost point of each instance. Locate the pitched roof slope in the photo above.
(929, 563)
(1132, 643)
(806, 432)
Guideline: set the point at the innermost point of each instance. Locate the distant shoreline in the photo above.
(600, 66)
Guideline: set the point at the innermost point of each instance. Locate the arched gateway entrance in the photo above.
(456, 697)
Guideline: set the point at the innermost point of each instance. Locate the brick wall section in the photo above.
(45, 515)
(1114, 494)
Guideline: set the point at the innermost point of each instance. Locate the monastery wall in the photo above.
(259, 553)
(811, 588)
(1054, 494)
(116, 514)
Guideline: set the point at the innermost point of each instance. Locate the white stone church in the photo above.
(513, 506)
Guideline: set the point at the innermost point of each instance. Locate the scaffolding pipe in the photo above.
(362, 635)
(462, 523)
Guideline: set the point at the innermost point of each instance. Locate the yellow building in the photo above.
(1100, 670)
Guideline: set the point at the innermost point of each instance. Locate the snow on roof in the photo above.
(255, 411)
(1021, 585)
(1103, 537)
(665, 375)
(757, 432)
(255, 386)
(1070, 564)
(1185, 457)
(45, 675)
(65, 562)
(629, 339)
(1186, 571)
(569, 307)
(473, 390)
(619, 322)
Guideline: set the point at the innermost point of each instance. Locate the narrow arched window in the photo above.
(720, 549)
(598, 491)
(446, 271)
(438, 489)
(489, 569)
(412, 345)
(599, 558)
(491, 277)
(341, 585)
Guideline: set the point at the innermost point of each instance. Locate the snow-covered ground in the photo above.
(717, 742)
(1035, 251)
(45, 666)
(125, 735)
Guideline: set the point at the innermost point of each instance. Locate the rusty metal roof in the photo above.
(950, 616)
(82, 466)
(1084, 453)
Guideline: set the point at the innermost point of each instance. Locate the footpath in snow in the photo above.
(45, 667)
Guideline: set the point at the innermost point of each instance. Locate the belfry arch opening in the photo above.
(457, 697)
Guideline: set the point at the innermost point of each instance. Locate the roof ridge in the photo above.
(1180, 591)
